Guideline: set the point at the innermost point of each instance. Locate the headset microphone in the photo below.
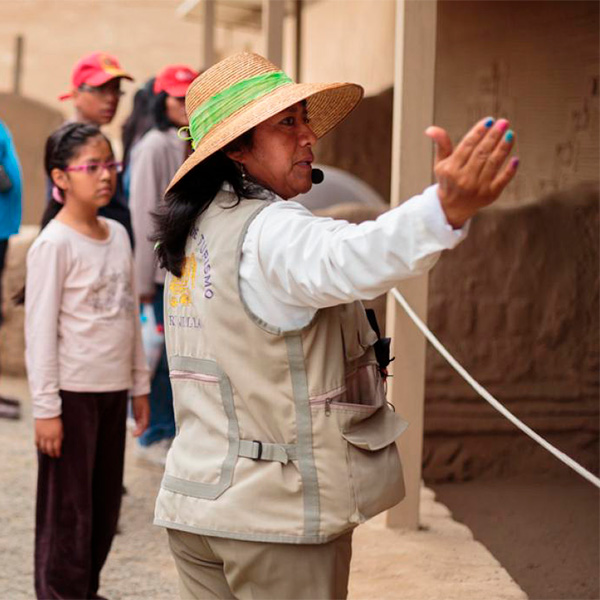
(317, 176)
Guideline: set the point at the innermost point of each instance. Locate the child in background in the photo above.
(84, 352)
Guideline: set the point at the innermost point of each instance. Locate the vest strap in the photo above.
(256, 450)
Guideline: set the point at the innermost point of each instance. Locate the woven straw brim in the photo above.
(327, 104)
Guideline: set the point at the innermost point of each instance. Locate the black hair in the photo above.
(159, 112)
(139, 121)
(192, 195)
(61, 146)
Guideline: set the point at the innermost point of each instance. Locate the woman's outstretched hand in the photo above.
(474, 174)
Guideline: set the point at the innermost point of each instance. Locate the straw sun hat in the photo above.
(246, 89)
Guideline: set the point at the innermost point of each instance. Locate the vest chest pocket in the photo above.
(374, 463)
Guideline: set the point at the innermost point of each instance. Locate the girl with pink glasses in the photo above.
(84, 356)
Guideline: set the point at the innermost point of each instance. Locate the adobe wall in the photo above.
(536, 63)
(518, 301)
(517, 305)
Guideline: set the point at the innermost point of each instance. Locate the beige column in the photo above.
(208, 30)
(411, 173)
(273, 13)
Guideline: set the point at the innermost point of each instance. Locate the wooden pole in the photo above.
(18, 66)
(272, 26)
(411, 173)
(298, 65)
(208, 34)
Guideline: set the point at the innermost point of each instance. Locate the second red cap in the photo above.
(175, 80)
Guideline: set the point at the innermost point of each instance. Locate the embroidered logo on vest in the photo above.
(180, 289)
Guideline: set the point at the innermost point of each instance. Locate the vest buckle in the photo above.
(260, 449)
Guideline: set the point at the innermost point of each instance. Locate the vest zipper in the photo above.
(327, 406)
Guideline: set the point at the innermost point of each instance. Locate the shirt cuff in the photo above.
(47, 407)
(141, 387)
(435, 219)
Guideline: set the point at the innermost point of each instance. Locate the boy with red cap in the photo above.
(96, 83)
(154, 161)
(96, 92)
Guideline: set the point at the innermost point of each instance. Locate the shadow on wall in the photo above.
(30, 123)
(517, 305)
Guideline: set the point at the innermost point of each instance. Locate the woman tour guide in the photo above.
(284, 439)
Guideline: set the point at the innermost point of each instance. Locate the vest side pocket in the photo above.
(374, 463)
(204, 452)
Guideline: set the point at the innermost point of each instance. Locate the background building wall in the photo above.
(535, 63)
(145, 35)
(349, 40)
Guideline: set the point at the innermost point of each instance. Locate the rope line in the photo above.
(567, 460)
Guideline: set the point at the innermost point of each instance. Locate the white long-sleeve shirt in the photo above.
(82, 325)
(294, 263)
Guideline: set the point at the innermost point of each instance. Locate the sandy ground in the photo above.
(545, 532)
(440, 561)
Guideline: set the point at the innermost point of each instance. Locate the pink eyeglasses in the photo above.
(97, 168)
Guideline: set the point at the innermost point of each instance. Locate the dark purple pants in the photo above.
(79, 496)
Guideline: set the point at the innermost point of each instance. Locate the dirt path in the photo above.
(440, 561)
(139, 564)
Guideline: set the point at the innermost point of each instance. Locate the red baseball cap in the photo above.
(95, 69)
(175, 80)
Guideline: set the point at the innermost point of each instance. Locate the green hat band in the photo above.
(222, 105)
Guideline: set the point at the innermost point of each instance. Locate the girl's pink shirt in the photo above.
(82, 324)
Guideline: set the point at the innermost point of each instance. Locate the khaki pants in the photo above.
(211, 567)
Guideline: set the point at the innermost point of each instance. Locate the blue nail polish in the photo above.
(489, 122)
(509, 136)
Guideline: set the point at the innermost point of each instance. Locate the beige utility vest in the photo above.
(281, 437)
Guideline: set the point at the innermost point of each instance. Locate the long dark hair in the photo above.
(159, 112)
(139, 121)
(191, 196)
(61, 147)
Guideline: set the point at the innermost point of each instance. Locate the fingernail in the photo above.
(489, 122)
(510, 135)
(502, 125)
(514, 163)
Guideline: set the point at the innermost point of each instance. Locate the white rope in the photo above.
(488, 397)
